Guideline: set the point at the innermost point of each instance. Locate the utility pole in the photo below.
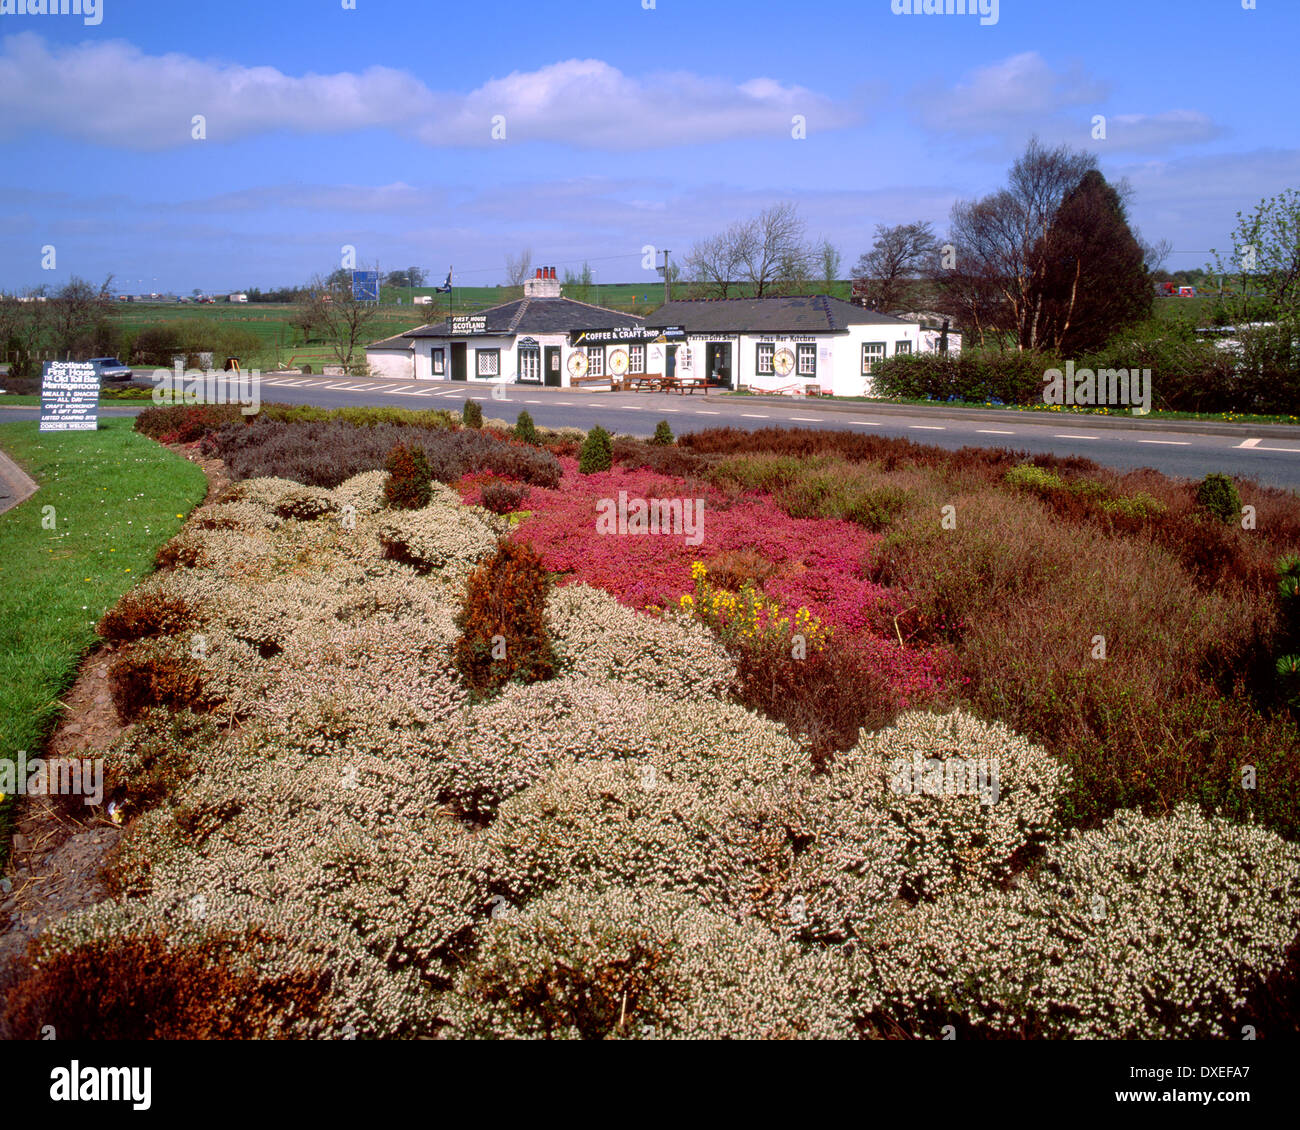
(668, 285)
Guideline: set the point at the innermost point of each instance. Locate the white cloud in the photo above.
(1157, 133)
(1010, 96)
(113, 93)
(1008, 100)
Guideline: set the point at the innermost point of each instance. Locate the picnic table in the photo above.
(659, 383)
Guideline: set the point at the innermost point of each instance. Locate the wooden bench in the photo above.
(685, 385)
(577, 381)
(652, 381)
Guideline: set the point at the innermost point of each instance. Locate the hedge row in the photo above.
(1261, 375)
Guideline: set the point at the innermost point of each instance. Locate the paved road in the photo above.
(1270, 454)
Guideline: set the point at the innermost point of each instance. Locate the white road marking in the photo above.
(677, 410)
(993, 432)
(755, 416)
(1063, 435)
(1253, 445)
(806, 419)
(337, 386)
(866, 423)
(629, 407)
(1168, 442)
(537, 402)
(704, 412)
(928, 427)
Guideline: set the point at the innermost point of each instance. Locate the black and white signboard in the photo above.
(626, 335)
(468, 324)
(69, 397)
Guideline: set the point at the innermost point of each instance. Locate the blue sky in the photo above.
(372, 127)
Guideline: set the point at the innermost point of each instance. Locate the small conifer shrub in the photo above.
(1217, 493)
(597, 452)
(409, 477)
(525, 429)
(503, 633)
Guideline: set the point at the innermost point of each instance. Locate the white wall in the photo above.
(394, 363)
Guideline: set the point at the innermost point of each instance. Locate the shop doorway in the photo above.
(458, 370)
(717, 360)
(552, 377)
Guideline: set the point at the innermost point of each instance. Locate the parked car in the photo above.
(111, 369)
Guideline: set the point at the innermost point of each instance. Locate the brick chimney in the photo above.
(543, 285)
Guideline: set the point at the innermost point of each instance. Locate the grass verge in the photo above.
(117, 497)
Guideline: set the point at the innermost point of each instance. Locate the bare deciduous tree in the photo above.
(329, 304)
(518, 266)
(998, 234)
(888, 274)
(760, 256)
(76, 312)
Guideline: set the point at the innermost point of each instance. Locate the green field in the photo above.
(117, 497)
(283, 345)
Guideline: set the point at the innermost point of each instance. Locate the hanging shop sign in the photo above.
(627, 335)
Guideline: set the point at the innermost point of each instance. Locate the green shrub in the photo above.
(472, 415)
(525, 430)
(503, 633)
(1217, 494)
(409, 478)
(597, 452)
(1034, 479)
(663, 433)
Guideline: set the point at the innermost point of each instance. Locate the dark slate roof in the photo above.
(809, 314)
(400, 341)
(538, 316)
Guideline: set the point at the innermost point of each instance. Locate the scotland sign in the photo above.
(69, 397)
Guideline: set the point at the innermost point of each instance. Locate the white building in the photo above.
(542, 338)
(795, 344)
(393, 357)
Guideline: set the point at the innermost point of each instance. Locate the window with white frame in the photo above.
(636, 359)
(438, 358)
(764, 353)
(489, 362)
(530, 364)
(595, 360)
(902, 347)
(807, 364)
(871, 351)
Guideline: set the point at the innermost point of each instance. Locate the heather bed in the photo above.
(328, 830)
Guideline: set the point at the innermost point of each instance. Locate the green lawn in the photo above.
(117, 497)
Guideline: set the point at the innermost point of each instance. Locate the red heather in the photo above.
(819, 560)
